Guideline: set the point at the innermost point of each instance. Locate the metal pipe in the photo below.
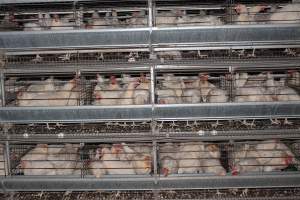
(2, 80)
(150, 13)
(7, 159)
(155, 161)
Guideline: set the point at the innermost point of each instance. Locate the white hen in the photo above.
(189, 157)
(289, 13)
(107, 94)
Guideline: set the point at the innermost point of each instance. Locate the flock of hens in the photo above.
(289, 13)
(174, 158)
(137, 159)
(170, 89)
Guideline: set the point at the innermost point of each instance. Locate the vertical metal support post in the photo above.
(153, 125)
(155, 161)
(151, 23)
(2, 92)
(7, 159)
(150, 14)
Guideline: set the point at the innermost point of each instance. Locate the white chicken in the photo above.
(141, 93)
(202, 20)
(62, 96)
(166, 18)
(266, 156)
(138, 19)
(127, 96)
(217, 95)
(191, 95)
(245, 160)
(289, 13)
(61, 23)
(46, 86)
(35, 162)
(191, 92)
(96, 165)
(141, 161)
(107, 94)
(246, 93)
(279, 91)
(98, 22)
(205, 87)
(210, 162)
(247, 15)
(33, 26)
(113, 164)
(274, 155)
(168, 162)
(188, 156)
(172, 82)
(65, 160)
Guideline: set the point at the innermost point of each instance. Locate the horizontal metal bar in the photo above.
(210, 111)
(147, 183)
(74, 114)
(74, 39)
(227, 36)
(42, 1)
(61, 68)
(148, 136)
(206, 37)
(209, 65)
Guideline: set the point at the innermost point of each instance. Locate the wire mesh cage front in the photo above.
(266, 87)
(192, 158)
(124, 89)
(191, 87)
(173, 158)
(45, 159)
(219, 159)
(262, 12)
(95, 160)
(264, 156)
(190, 13)
(45, 91)
(69, 16)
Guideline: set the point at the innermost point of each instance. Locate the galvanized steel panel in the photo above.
(74, 39)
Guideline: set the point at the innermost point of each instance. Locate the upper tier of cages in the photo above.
(129, 14)
(137, 88)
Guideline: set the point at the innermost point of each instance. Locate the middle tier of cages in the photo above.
(112, 14)
(162, 159)
(134, 88)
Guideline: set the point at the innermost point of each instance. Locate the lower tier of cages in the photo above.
(162, 87)
(134, 155)
(159, 159)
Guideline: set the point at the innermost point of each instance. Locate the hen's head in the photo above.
(113, 79)
(240, 9)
